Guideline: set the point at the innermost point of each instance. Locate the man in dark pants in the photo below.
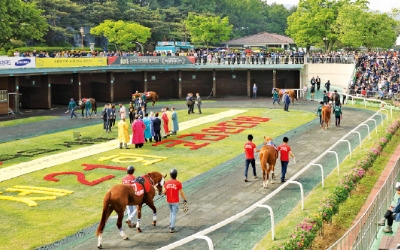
(318, 82)
(157, 128)
(285, 151)
(393, 213)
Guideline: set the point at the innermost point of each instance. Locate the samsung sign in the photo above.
(17, 62)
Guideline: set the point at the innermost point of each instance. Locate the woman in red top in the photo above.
(172, 189)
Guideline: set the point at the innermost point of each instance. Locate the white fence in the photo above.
(260, 204)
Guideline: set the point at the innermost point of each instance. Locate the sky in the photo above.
(379, 5)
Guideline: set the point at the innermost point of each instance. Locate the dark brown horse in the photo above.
(292, 94)
(82, 105)
(121, 195)
(268, 155)
(150, 96)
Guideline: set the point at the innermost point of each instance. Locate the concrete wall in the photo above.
(338, 74)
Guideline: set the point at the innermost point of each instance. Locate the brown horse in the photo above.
(121, 195)
(268, 156)
(150, 96)
(326, 116)
(291, 92)
(81, 104)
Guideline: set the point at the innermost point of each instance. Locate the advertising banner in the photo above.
(17, 62)
(150, 60)
(70, 62)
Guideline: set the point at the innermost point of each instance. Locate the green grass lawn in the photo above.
(55, 219)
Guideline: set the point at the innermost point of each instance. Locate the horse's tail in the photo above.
(94, 106)
(157, 97)
(106, 212)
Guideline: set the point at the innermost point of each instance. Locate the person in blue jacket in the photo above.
(393, 213)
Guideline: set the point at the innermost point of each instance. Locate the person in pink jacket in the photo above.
(138, 128)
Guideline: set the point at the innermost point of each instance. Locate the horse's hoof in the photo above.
(125, 238)
(139, 230)
(129, 223)
(99, 246)
(154, 223)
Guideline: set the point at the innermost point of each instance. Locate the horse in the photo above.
(121, 195)
(326, 116)
(81, 105)
(150, 96)
(335, 98)
(268, 155)
(292, 94)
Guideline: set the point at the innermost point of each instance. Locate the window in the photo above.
(3, 95)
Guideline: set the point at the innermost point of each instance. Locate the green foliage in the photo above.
(208, 30)
(122, 34)
(20, 21)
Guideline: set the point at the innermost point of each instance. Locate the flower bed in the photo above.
(306, 231)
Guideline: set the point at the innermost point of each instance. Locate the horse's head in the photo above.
(158, 180)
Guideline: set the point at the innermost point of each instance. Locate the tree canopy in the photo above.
(208, 29)
(122, 34)
(20, 21)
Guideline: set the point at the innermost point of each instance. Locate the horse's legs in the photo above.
(139, 215)
(151, 205)
(119, 224)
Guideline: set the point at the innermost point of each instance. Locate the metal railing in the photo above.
(363, 233)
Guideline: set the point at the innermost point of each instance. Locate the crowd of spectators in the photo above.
(377, 75)
(209, 56)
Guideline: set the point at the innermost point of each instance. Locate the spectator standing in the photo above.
(165, 120)
(128, 180)
(305, 92)
(123, 133)
(189, 102)
(254, 91)
(147, 130)
(198, 102)
(122, 111)
(138, 128)
(284, 151)
(175, 124)
(312, 81)
(318, 82)
(71, 108)
(249, 148)
(169, 115)
(172, 189)
(157, 128)
(113, 116)
(131, 112)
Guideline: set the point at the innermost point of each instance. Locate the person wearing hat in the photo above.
(172, 189)
(71, 108)
(319, 112)
(275, 96)
(393, 213)
(128, 180)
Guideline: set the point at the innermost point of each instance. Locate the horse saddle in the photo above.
(145, 183)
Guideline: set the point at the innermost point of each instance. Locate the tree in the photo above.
(208, 30)
(314, 22)
(20, 21)
(122, 34)
(358, 28)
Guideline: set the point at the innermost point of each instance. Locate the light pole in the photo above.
(82, 30)
(325, 43)
(141, 46)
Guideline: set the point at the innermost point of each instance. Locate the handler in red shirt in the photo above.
(172, 189)
(128, 179)
(249, 148)
(285, 152)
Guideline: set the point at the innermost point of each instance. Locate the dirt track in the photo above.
(221, 193)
